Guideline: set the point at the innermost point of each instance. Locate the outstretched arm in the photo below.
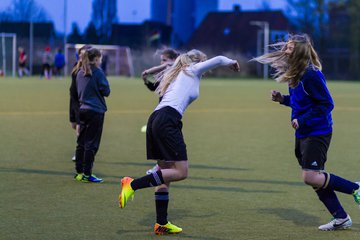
(202, 67)
(154, 70)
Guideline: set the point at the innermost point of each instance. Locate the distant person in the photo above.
(92, 88)
(74, 98)
(178, 88)
(298, 65)
(22, 63)
(167, 58)
(104, 62)
(59, 63)
(46, 63)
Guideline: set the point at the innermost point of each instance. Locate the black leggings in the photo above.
(91, 126)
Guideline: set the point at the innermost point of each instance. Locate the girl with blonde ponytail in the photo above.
(297, 64)
(180, 64)
(178, 87)
(167, 58)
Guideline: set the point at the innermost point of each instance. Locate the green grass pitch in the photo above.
(244, 181)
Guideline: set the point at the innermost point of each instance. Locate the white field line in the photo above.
(143, 111)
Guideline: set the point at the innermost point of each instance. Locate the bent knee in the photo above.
(182, 176)
(308, 181)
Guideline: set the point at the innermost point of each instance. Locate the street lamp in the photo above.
(265, 27)
(65, 49)
(31, 42)
(65, 21)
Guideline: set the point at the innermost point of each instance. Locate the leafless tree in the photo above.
(24, 11)
(104, 14)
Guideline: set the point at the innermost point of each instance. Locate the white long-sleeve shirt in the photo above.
(185, 88)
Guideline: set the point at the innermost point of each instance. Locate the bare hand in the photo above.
(144, 74)
(77, 130)
(295, 124)
(235, 67)
(73, 125)
(276, 96)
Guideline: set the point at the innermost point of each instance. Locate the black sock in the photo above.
(152, 180)
(161, 203)
(331, 202)
(340, 184)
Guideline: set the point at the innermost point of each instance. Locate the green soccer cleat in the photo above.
(356, 194)
(93, 178)
(126, 191)
(78, 177)
(168, 228)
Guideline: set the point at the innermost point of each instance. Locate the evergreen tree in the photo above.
(75, 35)
(354, 9)
(91, 35)
(24, 11)
(310, 16)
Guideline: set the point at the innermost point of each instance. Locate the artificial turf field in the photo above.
(244, 181)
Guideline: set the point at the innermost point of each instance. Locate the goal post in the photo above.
(119, 59)
(8, 54)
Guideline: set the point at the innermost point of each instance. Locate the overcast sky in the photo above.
(129, 11)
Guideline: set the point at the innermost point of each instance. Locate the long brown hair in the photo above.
(77, 66)
(291, 68)
(181, 62)
(87, 58)
(170, 53)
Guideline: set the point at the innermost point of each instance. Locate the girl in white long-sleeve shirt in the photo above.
(164, 139)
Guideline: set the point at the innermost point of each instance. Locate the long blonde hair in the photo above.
(290, 69)
(180, 64)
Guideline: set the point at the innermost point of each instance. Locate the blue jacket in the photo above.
(59, 60)
(92, 90)
(311, 104)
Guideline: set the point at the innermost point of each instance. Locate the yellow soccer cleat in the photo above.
(126, 191)
(78, 176)
(168, 228)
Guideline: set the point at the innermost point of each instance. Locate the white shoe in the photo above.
(74, 158)
(337, 224)
(153, 170)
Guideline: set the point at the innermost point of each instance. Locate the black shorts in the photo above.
(46, 66)
(311, 151)
(164, 139)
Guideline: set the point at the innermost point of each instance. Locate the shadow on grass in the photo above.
(141, 233)
(298, 217)
(272, 182)
(35, 171)
(208, 188)
(150, 164)
(224, 189)
(184, 214)
(293, 215)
